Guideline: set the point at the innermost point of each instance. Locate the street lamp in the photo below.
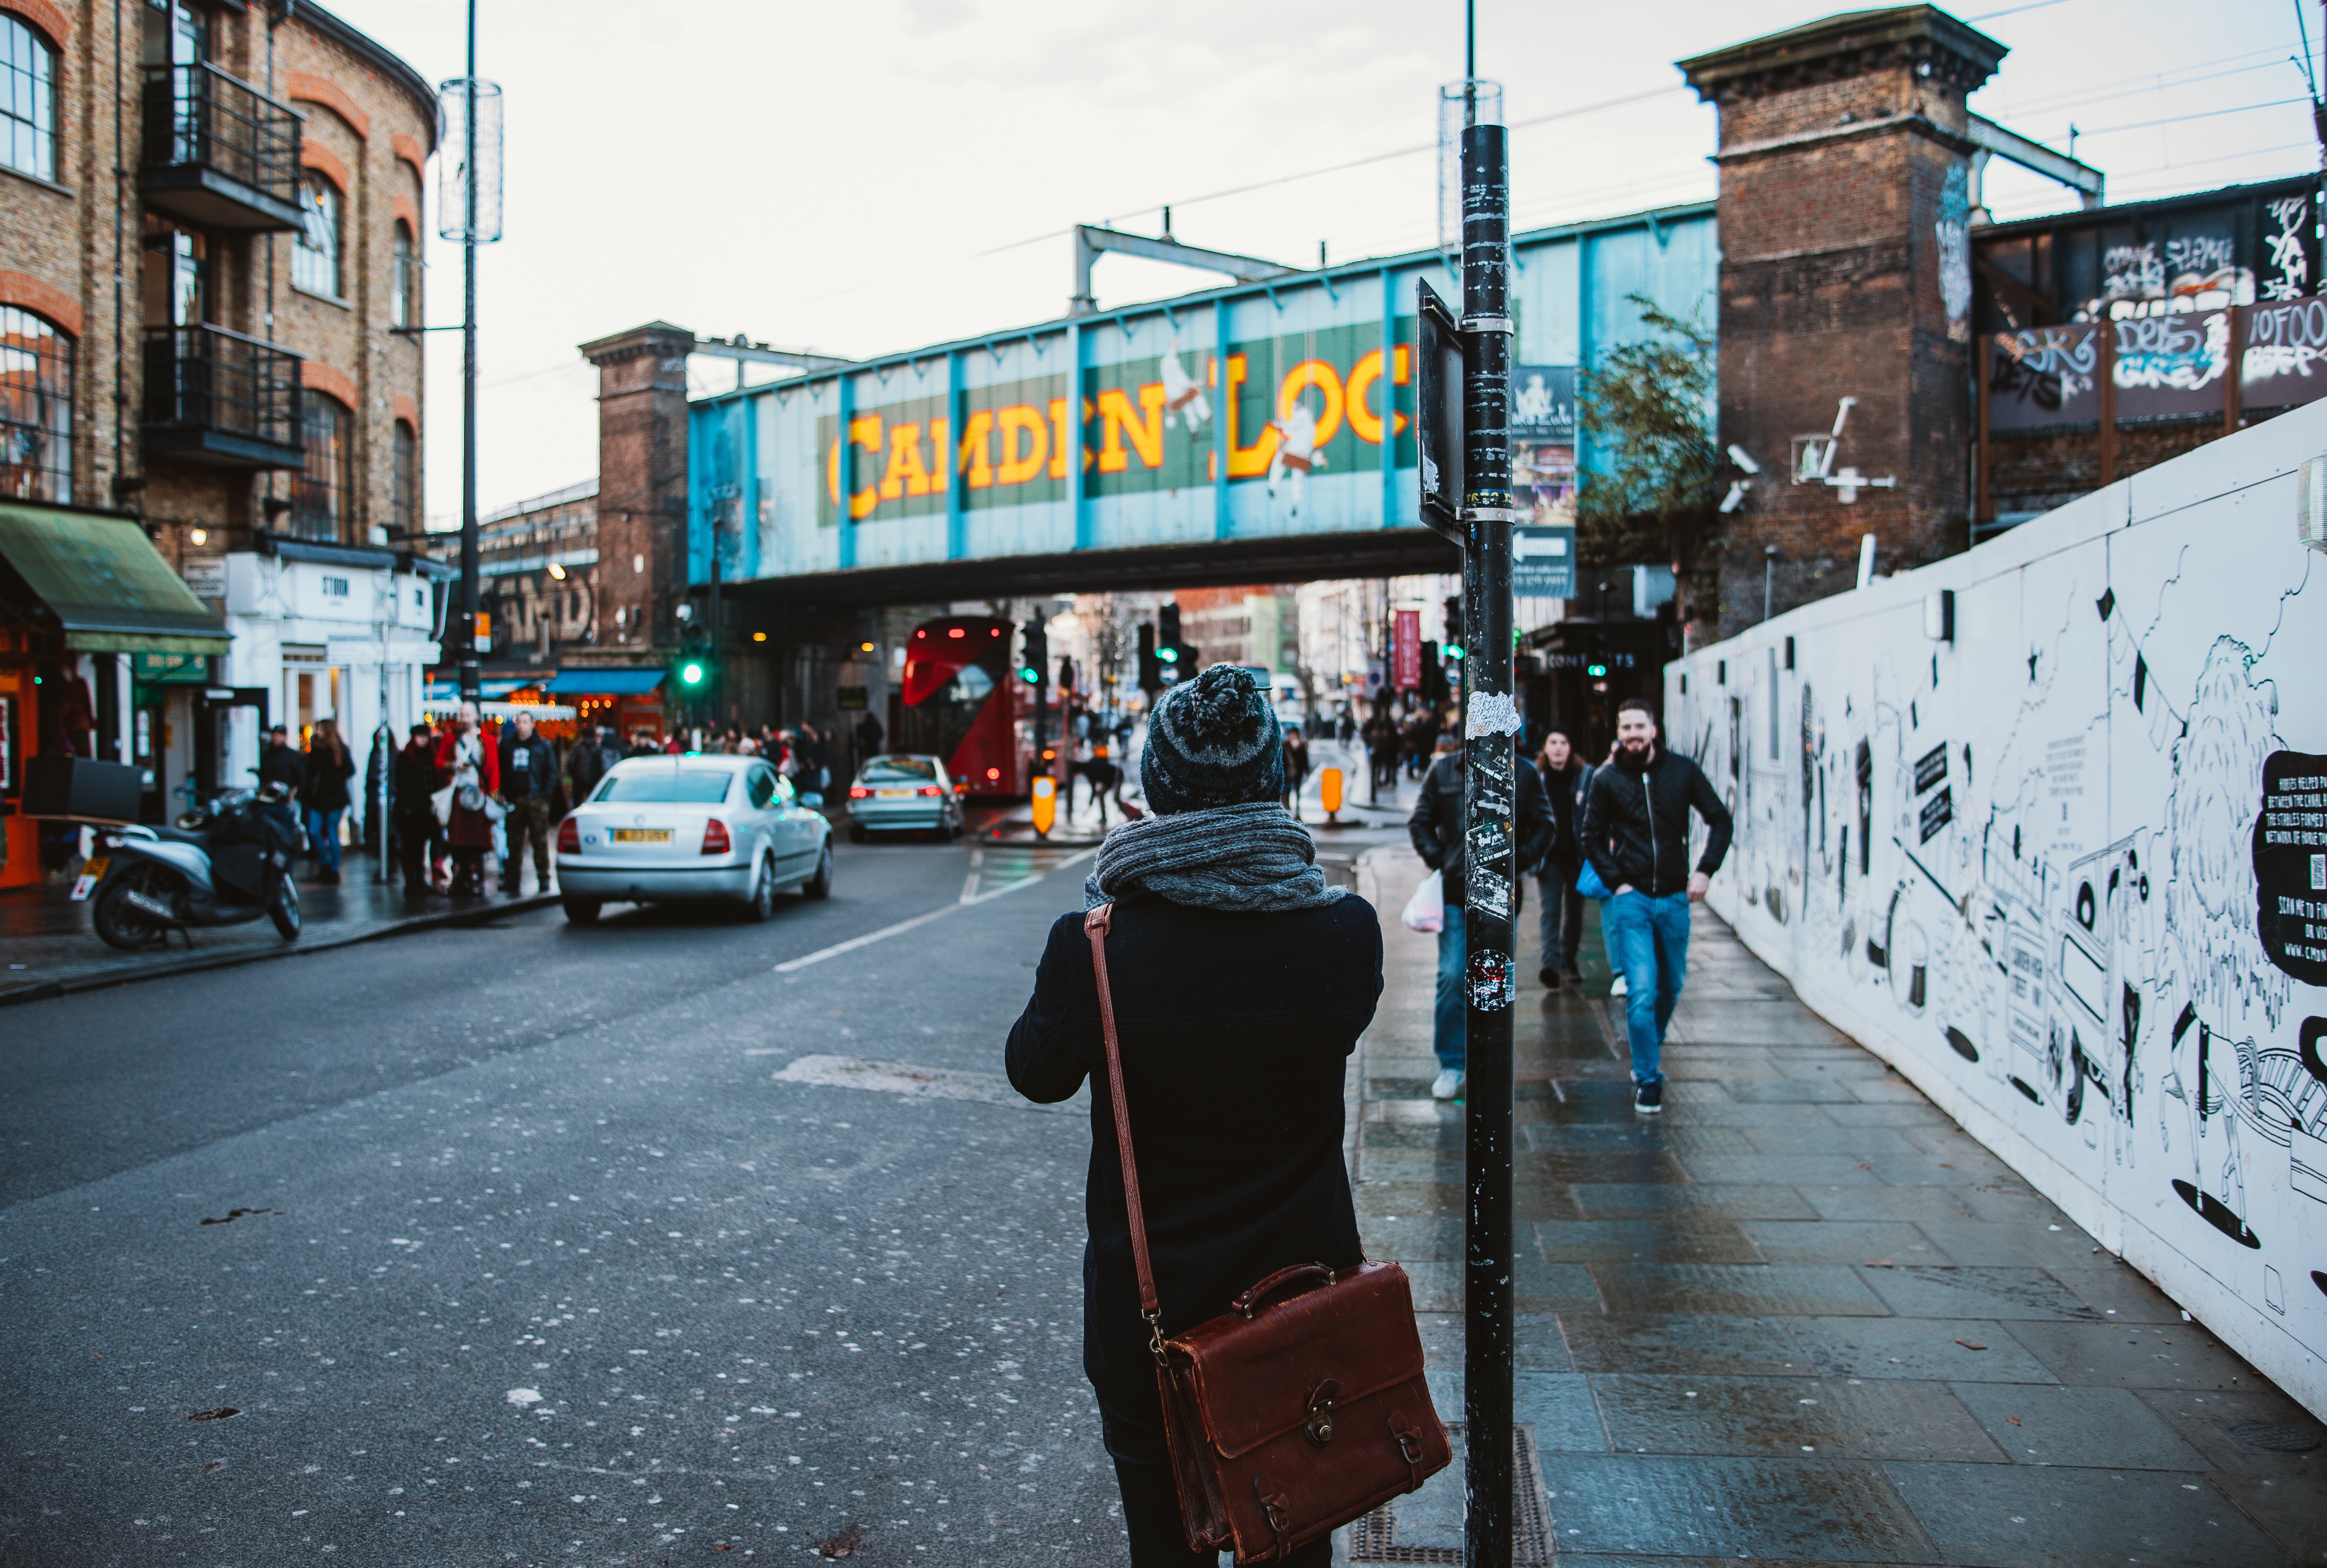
(469, 209)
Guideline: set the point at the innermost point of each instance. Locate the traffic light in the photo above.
(1455, 641)
(1151, 672)
(1038, 654)
(1176, 660)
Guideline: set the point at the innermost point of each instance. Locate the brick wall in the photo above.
(643, 441)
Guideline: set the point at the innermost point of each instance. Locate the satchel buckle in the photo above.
(1319, 1428)
(1155, 1339)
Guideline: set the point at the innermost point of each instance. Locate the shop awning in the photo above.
(603, 683)
(107, 585)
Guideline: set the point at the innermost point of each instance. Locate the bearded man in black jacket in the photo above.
(1635, 834)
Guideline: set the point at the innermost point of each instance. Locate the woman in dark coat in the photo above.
(1241, 982)
(326, 797)
(1562, 915)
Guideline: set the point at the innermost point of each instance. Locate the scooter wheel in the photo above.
(285, 911)
(119, 923)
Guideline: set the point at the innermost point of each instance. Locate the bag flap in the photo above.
(1254, 1378)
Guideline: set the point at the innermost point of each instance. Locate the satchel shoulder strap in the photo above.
(1096, 925)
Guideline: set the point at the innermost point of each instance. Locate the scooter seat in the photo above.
(169, 835)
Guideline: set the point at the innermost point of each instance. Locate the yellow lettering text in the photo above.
(906, 476)
(1144, 425)
(1020, 463)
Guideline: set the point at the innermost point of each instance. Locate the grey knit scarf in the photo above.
(1252, 858)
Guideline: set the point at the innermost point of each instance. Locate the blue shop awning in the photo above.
(603, 683)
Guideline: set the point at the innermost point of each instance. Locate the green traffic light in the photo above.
(691, 674)
(1030, 676)
(1168, 655)
(1595, 670)
(1455, 651)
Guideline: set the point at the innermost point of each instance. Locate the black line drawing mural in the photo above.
(2072, 869)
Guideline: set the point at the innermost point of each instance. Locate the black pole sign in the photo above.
(1489, 720)
(1440, 372)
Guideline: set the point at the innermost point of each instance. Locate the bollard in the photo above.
(1329, 794)
(1046, 804)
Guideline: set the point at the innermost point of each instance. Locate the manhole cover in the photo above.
(2276, 1437)
(1427, 1526)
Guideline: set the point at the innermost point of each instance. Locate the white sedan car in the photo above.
(667, 829)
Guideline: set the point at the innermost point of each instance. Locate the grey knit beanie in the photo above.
(1213, 741)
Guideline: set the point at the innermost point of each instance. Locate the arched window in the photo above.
(403, 297)
(28, 100)
(322, 497)
(315, 252)
(407, 479)
(36, 379)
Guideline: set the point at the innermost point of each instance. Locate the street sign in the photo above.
(1543, 560)
(1440, 367)
(1406, 651)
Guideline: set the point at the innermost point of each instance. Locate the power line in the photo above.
(2201, 115)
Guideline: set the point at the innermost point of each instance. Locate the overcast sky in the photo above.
(869, 177)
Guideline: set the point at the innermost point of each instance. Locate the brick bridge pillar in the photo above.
(1845, 272)
(641, 568)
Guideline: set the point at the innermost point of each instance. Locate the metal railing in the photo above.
(199, 116)
(207, 380)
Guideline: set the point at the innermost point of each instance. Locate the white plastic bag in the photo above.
(441, 803)
(1426, 910)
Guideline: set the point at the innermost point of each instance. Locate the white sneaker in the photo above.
(1446, 1085)
(1619, 988)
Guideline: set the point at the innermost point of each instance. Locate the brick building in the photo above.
(537, 565)
(212, 346)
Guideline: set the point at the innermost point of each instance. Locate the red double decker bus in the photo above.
(964, 704)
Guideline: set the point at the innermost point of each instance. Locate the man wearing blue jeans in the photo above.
(1436, 829)
(1635, 834)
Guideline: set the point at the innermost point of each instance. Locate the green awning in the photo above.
(105, 583)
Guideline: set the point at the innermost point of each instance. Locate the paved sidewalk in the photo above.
(1802, 1317)
(49, 949)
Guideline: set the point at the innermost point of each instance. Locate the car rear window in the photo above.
(686, 787)
(900, 771)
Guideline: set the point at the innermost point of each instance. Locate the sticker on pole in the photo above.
(1491, 981)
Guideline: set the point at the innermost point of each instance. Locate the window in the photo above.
(407, 496)
(687, 786)
(324, 492)
(315, 250)
(37, 378)
(762, 788)
(28, 100)
(404, 300)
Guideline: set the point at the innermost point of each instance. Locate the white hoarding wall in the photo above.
(2067, 870)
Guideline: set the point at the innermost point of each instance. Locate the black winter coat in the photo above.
(1561, 789)
(1436, 826)
(1636, 824)
(1235, 1030)
(587, 763)
(327, 780)
(529, 767)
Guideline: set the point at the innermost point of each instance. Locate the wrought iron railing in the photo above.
(206, 381)
(197, 115)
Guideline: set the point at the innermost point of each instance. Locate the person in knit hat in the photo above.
(1241, 980)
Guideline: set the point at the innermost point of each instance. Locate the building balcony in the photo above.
(219, 153)
(216, 396)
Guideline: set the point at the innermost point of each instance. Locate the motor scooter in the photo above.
(224, 865)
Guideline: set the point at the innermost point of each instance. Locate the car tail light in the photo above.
(569, 837)
(931, 789)
(715, 837)
(858, 792)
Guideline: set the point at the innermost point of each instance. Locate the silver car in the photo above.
(902, 790)
(666, 829)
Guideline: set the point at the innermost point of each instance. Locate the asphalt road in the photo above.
(509, 1245)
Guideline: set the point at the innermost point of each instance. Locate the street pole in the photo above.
(1489, 720)
(471, 685)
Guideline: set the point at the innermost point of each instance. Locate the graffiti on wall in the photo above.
(2074, 865)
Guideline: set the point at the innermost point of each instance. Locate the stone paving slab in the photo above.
(1803, 1318)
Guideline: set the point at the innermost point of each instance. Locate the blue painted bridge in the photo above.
(1258, 433)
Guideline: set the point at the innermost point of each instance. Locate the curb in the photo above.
(194, 963)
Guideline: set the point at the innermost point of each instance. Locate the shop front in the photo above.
(626, 702)
(95, 622)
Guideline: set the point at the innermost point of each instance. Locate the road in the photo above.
(509, 1245)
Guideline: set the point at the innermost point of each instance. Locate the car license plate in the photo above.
(640, 836)
(91, 871)
(895, 794)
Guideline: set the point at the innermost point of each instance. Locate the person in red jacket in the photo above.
(472, 766)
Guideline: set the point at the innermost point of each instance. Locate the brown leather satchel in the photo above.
(1301, 1408)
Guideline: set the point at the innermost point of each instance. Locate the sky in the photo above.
(869, 177)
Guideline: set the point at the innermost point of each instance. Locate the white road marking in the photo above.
(850, 946)
(897, 1077)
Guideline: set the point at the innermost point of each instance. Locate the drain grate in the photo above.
(1375, 1537)
(2276, 1437)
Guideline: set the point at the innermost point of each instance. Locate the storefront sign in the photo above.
(207, 577)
